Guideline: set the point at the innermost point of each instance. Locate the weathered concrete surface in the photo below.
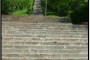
(37, 39)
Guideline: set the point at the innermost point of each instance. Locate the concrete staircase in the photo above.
(37, 10)
(37, 39)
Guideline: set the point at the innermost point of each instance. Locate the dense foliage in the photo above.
(43, 6)
(80, 15)
(58, 6)
(77, 10)
(8, 6)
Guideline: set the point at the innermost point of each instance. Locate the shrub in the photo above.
(62, 10)
(80, 15)
(8, 6)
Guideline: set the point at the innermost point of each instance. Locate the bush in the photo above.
(8, 6)
(80, 15)
(76, 16)
(62, 10)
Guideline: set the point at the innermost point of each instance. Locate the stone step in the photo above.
(48, 25)
(64, 36)
(35, 39)
(49, 55)
(44, 59)
(43, 46)
(45, 56)
(70, 43)
(42, 51)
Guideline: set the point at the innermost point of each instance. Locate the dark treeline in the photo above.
(77, 10)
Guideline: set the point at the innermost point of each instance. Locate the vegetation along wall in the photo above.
(10, 6)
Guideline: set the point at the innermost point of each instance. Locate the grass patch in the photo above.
(20, 13)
